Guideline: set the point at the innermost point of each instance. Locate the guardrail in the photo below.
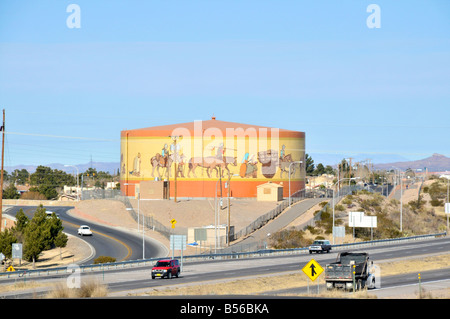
(218, 256)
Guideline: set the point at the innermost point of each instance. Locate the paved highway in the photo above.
(122, 282)
(106, 241)
(219, 270)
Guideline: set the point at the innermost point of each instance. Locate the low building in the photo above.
(271, 192)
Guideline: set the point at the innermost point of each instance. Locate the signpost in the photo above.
(178, 242)
(339, 231)
(313, 270)
(447, 211)
(17, 252)
(358, 219)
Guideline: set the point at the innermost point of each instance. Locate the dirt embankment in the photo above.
(188, 213)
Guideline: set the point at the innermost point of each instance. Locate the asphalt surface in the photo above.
(138, 280)
(105, 241)
(219, 270)
(124, 245)
(284, 219)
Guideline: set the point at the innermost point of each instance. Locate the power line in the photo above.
(68, 137)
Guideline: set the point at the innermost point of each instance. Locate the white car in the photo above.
(50, 214)
(84, 230)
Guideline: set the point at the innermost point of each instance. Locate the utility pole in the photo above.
(2, 128)
(174, 138)
(350, 165)
(229, 217)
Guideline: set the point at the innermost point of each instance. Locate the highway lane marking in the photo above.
(415, 284)
(129, 250)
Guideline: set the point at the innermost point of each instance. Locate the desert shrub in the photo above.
(291, 238)
(322, 204)
(372, 203)
(348, 200)
(33, 195)
(104, 260)
(437, 190)
(313, 230)
(436, 202)
(417, 205)
(88, 289)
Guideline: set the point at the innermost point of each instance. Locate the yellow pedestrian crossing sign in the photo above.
(312, 269)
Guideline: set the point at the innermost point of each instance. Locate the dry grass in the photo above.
(258, 286)
(22, 284)
(273, 283)
(415, 265)
(253, 286)
(88, 289)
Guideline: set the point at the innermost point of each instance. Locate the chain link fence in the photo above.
(151, 223)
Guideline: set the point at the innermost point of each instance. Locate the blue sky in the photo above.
(312, 66)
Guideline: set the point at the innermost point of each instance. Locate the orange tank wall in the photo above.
(243, 154)
(239, 189)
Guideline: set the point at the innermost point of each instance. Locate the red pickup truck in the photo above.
(166, 268)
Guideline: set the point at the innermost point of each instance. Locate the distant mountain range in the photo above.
(434, 163)
(333, 159)
(110, 167)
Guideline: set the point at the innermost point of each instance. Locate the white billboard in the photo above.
(358, 219)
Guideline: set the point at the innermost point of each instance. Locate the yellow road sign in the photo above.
(10, 268)
(312, 269)
(173, 222)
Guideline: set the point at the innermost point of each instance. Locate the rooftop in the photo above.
(199, 128)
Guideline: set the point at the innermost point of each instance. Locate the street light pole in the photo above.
(296, 162)
(216, 212)
(229, 210)
(401, 201)
(353, 178)
(400, 175)
(78, 196)
(175, 159)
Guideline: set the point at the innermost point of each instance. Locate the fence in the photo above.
(264, 219)
(100, 194)
(251, 254)
(151, 223)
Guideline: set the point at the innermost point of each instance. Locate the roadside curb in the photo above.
(77, 213)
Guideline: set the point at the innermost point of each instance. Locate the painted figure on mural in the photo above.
(269, 160)
(122, 165)
(163, 160)
(164, 155)
(218, 162)
(249, 166)
(282, 152)
(136, 166)
(179, 158)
